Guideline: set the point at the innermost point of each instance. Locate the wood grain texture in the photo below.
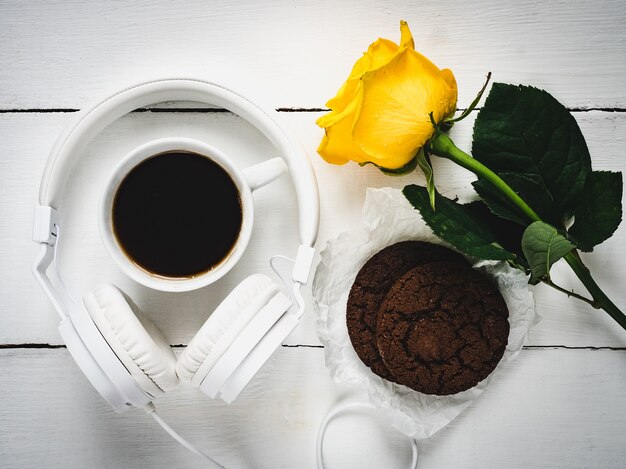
(61, 54)
(550, 408)
(553, 408)
(85, 263)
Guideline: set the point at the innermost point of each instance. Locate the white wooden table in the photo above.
(561, 404)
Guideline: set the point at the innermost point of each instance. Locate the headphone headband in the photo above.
(105, 362)
(92, 121)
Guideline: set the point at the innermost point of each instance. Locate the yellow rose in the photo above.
(381, 113)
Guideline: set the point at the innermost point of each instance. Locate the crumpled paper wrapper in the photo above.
(389, 218)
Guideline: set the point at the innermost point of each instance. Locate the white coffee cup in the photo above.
(246, 181)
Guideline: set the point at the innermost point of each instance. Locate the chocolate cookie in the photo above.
(371, 285)
(442, 328)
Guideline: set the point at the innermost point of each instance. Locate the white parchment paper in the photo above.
(389, 218)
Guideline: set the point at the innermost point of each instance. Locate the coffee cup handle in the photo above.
(263, 173)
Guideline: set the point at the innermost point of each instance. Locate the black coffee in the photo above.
(177, 214)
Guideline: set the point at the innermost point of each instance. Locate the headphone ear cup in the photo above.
(223, 326)
(134, 338)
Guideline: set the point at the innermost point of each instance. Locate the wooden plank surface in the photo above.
(61, 54)
(85, 263)
(561, 404)
(551, 409)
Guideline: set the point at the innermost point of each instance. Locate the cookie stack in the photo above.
(419, 315)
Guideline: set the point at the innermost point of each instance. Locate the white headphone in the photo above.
(121, 352)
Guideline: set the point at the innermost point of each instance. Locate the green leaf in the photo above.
(525, 134)
(459, 225)
(423, 161)
(406, 169)
(600, 211)
(501, 206)
(497, 203)
(507, 234)
(543, 246)
(473, 104)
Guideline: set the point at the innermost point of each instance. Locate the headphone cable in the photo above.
(151, 410)
(343, 408)
(288, 288)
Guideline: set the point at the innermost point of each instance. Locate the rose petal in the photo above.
(392, 121)
(337, 146)
(406, 38)
(332, 117)
(380, 114)
(378, 54)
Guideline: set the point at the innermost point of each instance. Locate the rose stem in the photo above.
(443, 146)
